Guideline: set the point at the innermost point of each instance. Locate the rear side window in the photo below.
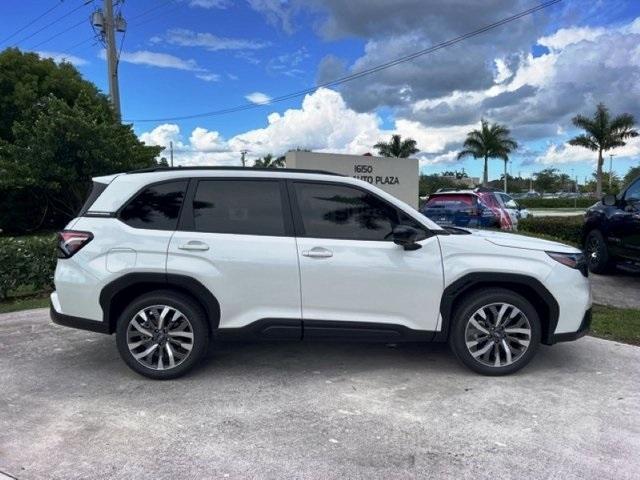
(446, 200)
(245, 207)
(96, 190)
(157, 207)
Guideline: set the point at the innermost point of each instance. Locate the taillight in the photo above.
(71, 241)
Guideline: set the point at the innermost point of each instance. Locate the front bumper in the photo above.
(585, 325)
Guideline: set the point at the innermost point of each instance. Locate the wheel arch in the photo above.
(530, 288)
(116, 295)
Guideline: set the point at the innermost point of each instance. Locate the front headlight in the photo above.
(571, 260)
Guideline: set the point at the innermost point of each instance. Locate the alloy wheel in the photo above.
(498, 334)
(160, 337)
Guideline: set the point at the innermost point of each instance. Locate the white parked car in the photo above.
(169, 259)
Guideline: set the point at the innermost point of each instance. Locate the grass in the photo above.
(24, 303)
(619, 324)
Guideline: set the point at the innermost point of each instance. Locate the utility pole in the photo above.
(611, 155)
(505, 176)
(107, 25)
(242, 156)
(112, 60)
(171, 151)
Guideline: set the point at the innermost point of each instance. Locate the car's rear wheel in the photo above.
(495, 332)
(162, 335)
(597, 252)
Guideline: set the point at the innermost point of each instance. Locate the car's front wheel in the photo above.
(597, 252)
(495, 332)
(162, 334)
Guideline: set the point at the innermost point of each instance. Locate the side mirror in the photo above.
(405, 236)
(609, 200)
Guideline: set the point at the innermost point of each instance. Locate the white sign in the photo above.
(397, 176)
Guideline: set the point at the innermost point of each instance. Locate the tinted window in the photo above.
(633, 193)
(336, 211)
(96, 190)
(157, 207)
(239, 206)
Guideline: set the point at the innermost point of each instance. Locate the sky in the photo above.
(189, 57)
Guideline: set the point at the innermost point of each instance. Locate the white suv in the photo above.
(170, 259)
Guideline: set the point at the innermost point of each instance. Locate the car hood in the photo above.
(512, 240)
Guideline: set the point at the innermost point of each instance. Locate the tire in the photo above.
(597, 253)
(181, 336)
(477, 350)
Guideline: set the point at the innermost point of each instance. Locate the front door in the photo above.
(629, 222)
(351, 271)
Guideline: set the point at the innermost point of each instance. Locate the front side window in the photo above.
(157, 207)
(245, 207)
(346, 213)
(633, 193)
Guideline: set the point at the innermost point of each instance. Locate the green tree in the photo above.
(592, 185)
(431, 183)
(269, 161)
(397, 147)
(56, 132)
(603, 133)
(491, 141)
(547, 180)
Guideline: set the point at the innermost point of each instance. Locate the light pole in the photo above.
(611, 155)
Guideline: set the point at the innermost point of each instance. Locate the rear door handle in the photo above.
(317, 252)
(194, 245)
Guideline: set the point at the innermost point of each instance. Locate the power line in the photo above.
(76, 25)
(362, 73)
(86, 2)
(23, 28)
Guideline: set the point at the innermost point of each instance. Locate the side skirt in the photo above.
(324, 330)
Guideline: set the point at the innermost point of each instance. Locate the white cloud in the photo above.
(208, 77)
(188, 38)
(565, 153)
(569, 36)
(323, 123)
(60, 57)
(258, 98)
(156, 59)
(204, 147)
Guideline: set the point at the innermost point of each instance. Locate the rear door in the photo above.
(351, 271)
(236, 238)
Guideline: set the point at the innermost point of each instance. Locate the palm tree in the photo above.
(397, 147)
(603, 133)
(491, 141)
(269, 161)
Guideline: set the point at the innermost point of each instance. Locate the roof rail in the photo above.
(233, 169)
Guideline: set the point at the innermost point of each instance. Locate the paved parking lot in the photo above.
(621, 289)
(69, 408)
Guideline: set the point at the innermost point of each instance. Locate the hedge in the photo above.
(566, 229)
(27, 264)
(582, 202)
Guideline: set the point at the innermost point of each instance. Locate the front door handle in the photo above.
(194, 245)
(318, 252)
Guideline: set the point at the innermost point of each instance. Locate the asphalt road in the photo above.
(69, 408)
(621, 289)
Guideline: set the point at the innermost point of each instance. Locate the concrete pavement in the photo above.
(69, 408)
(620, 289)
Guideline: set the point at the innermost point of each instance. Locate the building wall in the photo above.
(397, 176)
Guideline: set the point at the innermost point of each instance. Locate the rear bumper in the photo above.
(76, 322)
(585, 325)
